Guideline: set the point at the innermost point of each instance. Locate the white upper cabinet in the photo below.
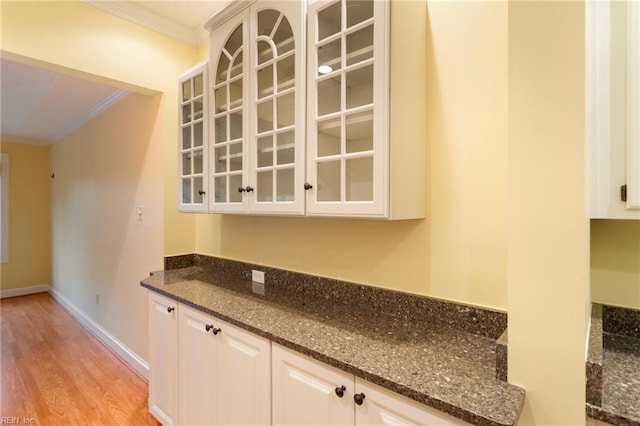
(347, 108)
(324, 122)
(193, 141)
(633, 107)
(613, 108)
(366, 73)
(257, 71)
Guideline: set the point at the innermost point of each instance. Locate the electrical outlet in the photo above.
(97, 299)
(257, 276)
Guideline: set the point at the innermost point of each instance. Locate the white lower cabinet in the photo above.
(163, 360)
(308, 392)
(223, 373)
(204, 371)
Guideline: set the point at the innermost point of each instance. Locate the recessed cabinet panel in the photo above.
(192, 144)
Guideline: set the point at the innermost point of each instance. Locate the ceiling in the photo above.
(41, 106)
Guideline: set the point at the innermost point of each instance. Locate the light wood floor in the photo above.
(56, 373)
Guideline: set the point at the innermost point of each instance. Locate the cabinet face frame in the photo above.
(335, 160)
(197, 201)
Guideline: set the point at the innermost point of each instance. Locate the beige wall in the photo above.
(615, 262)
(29, 217)
(104, 171)
(75, 38)
(121, 159)
(548, 234)
(459, 251)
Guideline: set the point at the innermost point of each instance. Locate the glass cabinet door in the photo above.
(347, 107)
(229, 121)
(277, 128)
(193, 140)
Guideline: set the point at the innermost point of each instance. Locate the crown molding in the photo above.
(141, 16)
(227, 12)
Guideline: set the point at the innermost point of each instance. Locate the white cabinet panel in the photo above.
(244, 379)
(258, 130)
(633, 105)
(196, 371)
(224, 373)
(304, 391)
(193, 140)
(162, 358)
(382, 407)
(613, 108)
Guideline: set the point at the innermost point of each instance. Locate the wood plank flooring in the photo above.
(54, 372)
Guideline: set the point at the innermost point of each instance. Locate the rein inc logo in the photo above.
(17, 420)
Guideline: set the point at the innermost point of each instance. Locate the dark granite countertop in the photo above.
(436, 364)
(613, 366)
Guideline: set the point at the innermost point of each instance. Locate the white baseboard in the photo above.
(139, 365)
(23, 291)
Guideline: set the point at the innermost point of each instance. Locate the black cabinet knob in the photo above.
(307, 186)
(211, 328)
(359, 398)
(240, 189)
(248, 189)
(170, 309)
(201, 192)
(340, 391)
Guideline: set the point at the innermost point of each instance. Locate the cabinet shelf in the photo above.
(368, 50)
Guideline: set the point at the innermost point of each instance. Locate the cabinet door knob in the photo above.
(210, 327)
(340, 391)
(359, 398)
(307, 186)
(170, 309)
(248, 189)
(240, 189)
(201, 192)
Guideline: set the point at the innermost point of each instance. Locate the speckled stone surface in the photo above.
(625, 322)
(594, 358)
(501, 356)
(484, 322)
(431, 362)
(613, 367)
